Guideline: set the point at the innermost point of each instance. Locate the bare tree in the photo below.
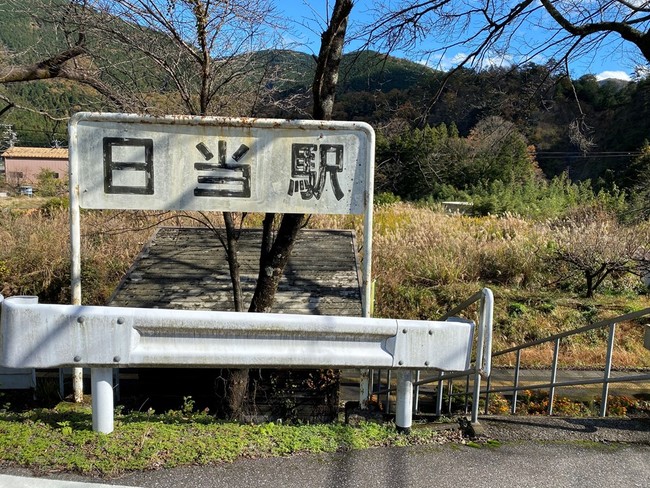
(593, 244)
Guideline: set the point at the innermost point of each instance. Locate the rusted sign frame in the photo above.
(319, 129)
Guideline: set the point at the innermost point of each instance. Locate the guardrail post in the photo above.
(404, 407)
(488, 387)
(102, 399)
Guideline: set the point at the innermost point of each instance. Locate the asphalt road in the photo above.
(513, 464)
(536, 452)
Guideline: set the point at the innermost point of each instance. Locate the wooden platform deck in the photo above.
(186, 268)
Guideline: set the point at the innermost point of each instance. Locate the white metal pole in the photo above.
(102, 403)
(367, 231)
(75, 250)
(404, 406)
(368, 296)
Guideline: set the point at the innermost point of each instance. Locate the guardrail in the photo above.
(44, 336)
(482, 355)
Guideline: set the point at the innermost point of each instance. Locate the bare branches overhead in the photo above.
(183, 56)
(42, 70)
(493, 31)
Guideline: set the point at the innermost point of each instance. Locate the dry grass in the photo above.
(22, 202)
(425, 262)
(35, 255)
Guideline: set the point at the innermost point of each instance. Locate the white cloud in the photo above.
(443, 63)
(497, 61)
(458, 58)
(619, 75)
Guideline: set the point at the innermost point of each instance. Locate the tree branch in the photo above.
(624, 29)
(11, 104)
(43, 70)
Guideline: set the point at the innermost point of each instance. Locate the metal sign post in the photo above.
(123, 161)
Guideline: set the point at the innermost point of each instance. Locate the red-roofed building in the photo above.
(23, 164)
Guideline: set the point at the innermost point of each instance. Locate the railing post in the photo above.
(488, 385)
(477, 393)
(376, 384)
(389, 379)
(404, 406)
(439, 397)
(608, 369)
(364, 388)
(515, 390)
(551, 393)
(102, 399)
(483, 346)
(416, 400)
(466, 393)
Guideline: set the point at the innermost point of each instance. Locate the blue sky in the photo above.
(307, 20)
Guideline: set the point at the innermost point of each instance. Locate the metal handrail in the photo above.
(587, 328)
(553, 383)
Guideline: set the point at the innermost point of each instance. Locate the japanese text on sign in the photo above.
(220, 164)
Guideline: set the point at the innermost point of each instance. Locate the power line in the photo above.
(591, 155)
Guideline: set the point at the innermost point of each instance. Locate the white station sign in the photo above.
(122, 161)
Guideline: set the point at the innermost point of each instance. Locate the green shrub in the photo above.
(48, 185)
(386, 198)
(541, 199)
(517, 309)
(55, 204)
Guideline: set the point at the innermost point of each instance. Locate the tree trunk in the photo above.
(237, 379)
(590, 284)
(326, 76)
(233, 261)
(274, 259)
(275, 252)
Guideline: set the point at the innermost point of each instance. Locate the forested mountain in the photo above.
(584, 127)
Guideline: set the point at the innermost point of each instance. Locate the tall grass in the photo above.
(35, 255)
(425, 262)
